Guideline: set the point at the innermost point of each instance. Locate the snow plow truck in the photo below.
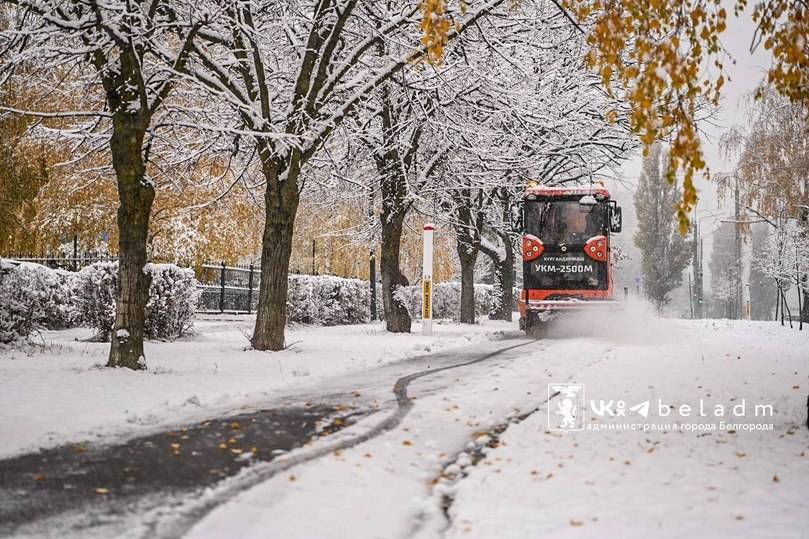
(566, 252)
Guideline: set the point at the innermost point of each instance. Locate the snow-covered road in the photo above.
(424, 479)
(472, 451)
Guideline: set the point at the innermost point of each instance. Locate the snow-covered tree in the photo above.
(111, 67)
(288, 74)
(762, 286)
(773, 155)
(787, 262)
(725, 273)
(665, 253)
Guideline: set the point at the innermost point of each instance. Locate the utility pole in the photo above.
(696, 269)
(692, 288)
(738, 240)
(691, 293)
(700, 289)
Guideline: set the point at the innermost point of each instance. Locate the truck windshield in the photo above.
(564, 226)
(564, 221)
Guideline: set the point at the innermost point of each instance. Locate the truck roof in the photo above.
(567, 190)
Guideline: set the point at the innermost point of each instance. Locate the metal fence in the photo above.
(62, 261)
(231, 289)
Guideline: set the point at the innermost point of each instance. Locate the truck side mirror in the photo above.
(616, 219)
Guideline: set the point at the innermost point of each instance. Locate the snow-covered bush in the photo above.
(60, 309)
(95, 289)
(446, 299)
(170, 309)
(34, 297)
(327, 300)
(173, 298)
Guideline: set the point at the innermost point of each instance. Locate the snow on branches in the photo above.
(787, 257)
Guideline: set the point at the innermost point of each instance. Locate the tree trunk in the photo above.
(136, 195)
(281, 200)
(467, 255)
(397, 319)
(507, 282)
(468, 219)
(393, 187)
(504, 279)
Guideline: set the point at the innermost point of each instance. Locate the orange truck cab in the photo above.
(567, 262)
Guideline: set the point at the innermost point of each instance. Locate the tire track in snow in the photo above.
(478, 453)
(177, 520)
(492, 440)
